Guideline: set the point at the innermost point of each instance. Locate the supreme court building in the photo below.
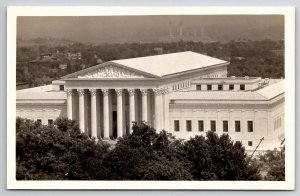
(184, 93)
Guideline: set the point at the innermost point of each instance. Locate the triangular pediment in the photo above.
(109, 70)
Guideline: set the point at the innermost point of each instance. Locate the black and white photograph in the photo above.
(161, 100)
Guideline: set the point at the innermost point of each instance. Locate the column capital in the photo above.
(144, 91)
(69, 92)
(157, 91)
(131, 91)
(165, 91)
(105, 91)
(80, 92)
(93, 92)
(119, 91)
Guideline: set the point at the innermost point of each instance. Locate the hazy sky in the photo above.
(145, 28)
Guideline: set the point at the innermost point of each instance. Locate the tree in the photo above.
(56, 152)
(60, 152)
(145, 155)
(274, 161)
(219, 158)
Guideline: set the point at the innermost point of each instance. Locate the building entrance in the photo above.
(114, 124)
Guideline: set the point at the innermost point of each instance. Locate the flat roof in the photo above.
(40, 92)
(217, 95)
(272, 90)
(41, 95)
(167, 64)
(228, 80)
(268, 92)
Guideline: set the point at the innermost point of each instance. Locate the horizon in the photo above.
(149, 29)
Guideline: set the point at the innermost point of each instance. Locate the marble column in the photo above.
(106, 114)
(94, 112)
(70, 103)
(120, 113)
(144, 104)
(166, 101)
(157, 108)
(131, 93)
(81, 110)
(162, 108)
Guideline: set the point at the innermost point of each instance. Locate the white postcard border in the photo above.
(288, 12)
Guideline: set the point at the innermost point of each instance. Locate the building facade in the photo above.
(184, 93)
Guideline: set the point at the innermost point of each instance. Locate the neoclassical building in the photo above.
(184, 93)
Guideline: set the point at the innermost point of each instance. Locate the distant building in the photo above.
(240, 58)
(159, 50)
(73, 56)
(48, 57)
(178, 33)
(62, 66)
(184, 93)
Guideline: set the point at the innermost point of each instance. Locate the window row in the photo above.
(237, 126)
(200, 87)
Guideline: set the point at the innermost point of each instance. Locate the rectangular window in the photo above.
(250, 143)
(225, 125)
(231, 87)
(250, 126)
(50, 122)
(61, 87)
(213, 125)
(220, 87)
(200, 125)
(209, 87)
(176, 125)
(242, 87)
(188, 125)
(237, 126)
(198, 87)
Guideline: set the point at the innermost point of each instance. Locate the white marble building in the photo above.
(184, 93)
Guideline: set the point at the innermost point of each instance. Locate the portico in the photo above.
(108, 113)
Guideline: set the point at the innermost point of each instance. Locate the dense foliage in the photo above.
(273, 161)
(56, 152)
(248, 58)
(60, 151)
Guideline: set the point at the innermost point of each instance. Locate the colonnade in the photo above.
(95, 107)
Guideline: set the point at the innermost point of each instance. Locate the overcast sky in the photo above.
(101, 29)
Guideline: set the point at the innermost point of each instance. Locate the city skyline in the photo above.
(120, 29)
